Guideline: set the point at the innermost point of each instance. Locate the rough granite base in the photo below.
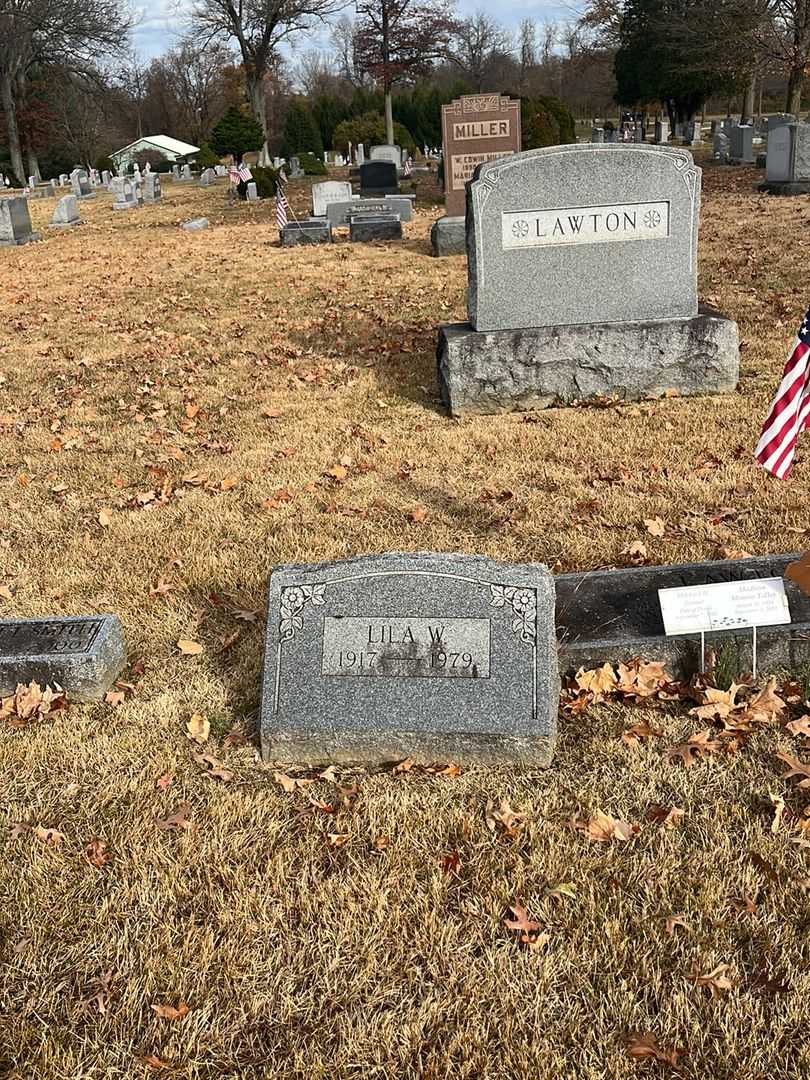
(449, 237)
(368, 230)
(511, 370)
(785, 187)
(308, 231)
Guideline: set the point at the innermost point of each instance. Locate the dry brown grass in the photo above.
(300, 958)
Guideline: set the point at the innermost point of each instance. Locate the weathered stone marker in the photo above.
(306, 231)
(582, 270)
(476, 128)
(84, 655)
(435, 657)
(379, 178)
(327, 192)
(66, 213)
(15, 222)
(788, 160)
(366, 227)
(613, 615)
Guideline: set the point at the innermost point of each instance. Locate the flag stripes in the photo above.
(789, 413)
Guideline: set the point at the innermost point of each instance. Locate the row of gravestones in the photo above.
(427, 656)
(376, 213)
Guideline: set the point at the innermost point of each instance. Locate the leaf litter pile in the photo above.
(180, 412)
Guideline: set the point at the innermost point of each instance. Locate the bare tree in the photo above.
(259, 27)
(346, 58)
(315, 73)
(67, 34)
(479, 41)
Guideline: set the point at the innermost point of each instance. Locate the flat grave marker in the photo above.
(82, 654)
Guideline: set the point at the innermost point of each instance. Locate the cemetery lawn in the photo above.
(179, 412)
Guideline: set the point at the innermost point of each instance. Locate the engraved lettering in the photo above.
(406, 648)
(623, 222)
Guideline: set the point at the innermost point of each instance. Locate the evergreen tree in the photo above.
(236, 133)
(301, 133)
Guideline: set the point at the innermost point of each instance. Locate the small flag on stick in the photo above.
(789, 414)
(244, 172)
(406, 168)
(281, 206)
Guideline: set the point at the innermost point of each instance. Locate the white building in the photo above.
(172, 149)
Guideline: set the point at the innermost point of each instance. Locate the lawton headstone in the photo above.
(607, 238)
(84, 655)
(365, 227)
(66, 213)
(476, 128)
(614, 615)
(15, 222)
(788, 160)
(433, 657)
(379, 178)
(330, 191)
(306, 231)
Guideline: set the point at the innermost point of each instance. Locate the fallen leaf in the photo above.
(778, 804)
(163, 782)
(716, 980)
(214, 768)
(795, 768)
(504, 818)
(418, 515)
(800, 726)
(563, 890)
(696, 748)
(96, 852)
(105, 518)
(642, 730)
(598, 681)
(799, 573)
(404, 766)
(673, 921)
(289, 783)
(155, 1062)
(48, 836)
(603, 828)
(529, 931)
(655, 526)
(636, 552)
(189, 648)
(198, 728)
(451, 862)
(644, 1045)
(337, 839)
(667, 816)
(180, 819)
(169, 1012)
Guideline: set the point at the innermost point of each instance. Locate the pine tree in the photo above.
(236, 133)
(301, 133)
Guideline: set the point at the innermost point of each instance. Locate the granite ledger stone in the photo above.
(435, 657)
(583, 234)
(83, 654)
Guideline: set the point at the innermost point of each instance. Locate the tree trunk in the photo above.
(750, 101)
(33, 166)
(794, 90)
(258, 105)
(10, 110)
(389, 118)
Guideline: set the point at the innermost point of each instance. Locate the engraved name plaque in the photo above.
(406, 648)
(585, 225)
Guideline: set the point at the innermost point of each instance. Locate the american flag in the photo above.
(244, 173)
(790, 410)
(233, 174)
(281, 206)
(406, 168)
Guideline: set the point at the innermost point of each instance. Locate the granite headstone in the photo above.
(433, 657)
(84, 655)
(15, 222)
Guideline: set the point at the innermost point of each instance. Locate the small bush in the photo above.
(546, 121)
(206, 158)
(266, 181)
(311, 165)
(103, 163)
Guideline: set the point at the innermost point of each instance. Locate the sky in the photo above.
(160, 21)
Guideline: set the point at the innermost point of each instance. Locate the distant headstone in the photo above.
(779, 120)
(607, 236)
(15, 222)
(742, 145)
(207, 178)
(694, 133)
(788, 160)
(386, 153)
(329, 191)
(105, 177)
(152, 191)
(597, 135)
(83, 655)
(252, 192)
(81, 185)
(476, 128)
(66, 213)
(306, 231)
(175, 172)
(123, 190)
(195, 225)
(432, 657)
(367, 227)
(185, 173)
(63, 179)
(359, 154)
(379, 178)
(338, 212)
(295, 168)
(721, 148)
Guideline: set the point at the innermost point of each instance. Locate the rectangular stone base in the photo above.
(18, 241)
(364, 229)
(508, 370)
(308, 231)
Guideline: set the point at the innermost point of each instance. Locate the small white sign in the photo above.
(726, 605)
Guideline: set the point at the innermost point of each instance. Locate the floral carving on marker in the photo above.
(520, 229)
(294, 599)
(652, 219)
(524, 604)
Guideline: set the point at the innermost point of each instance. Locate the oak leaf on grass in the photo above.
(198, 728)
(697, 747)
(189, 648)
(643, 1045)
(180, 819)
(716, 981)
(603, 828)
(170, 1012)
(795, 768)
